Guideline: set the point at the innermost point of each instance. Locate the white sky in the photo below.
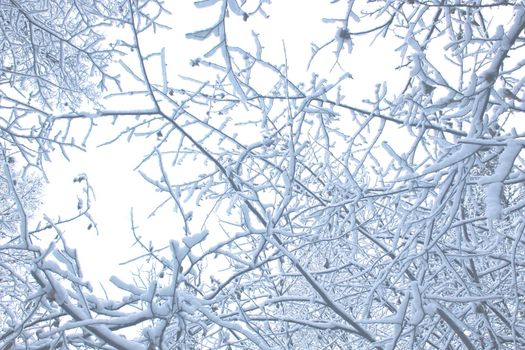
(110, 168)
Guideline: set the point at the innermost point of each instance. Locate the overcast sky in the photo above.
(110, 169)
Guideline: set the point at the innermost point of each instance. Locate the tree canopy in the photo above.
(317, 205)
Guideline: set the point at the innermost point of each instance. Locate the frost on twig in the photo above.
(495, 182)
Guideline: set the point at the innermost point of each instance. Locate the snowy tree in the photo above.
(311, 212)
(15, 263)
(52, 58)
